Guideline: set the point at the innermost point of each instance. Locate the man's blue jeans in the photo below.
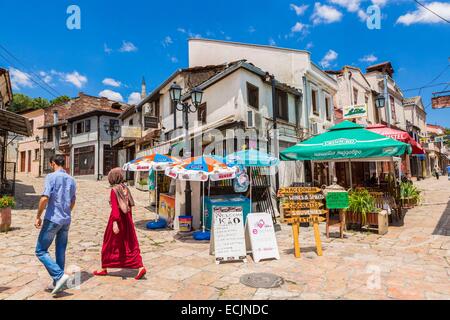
(49, 232)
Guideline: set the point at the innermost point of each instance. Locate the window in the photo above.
(87, 126)
(130, 122)
(328, 108)
(36, 154)
(50, 134)
(314, 102)
(282, 101)
(355, 96)
(32, 126)
(201, 113)
(79, 127)
(252, 96)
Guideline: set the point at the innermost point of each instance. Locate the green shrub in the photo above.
(361, 202)
(409, 191)
(7, 202)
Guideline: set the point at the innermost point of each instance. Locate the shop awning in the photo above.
(397, 135)
(12, 122)
(347, 140)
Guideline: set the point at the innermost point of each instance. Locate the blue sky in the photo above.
(123, 41)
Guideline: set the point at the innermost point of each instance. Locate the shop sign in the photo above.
(227, 234)
(337, 200)
(151, 122)
(355, 111)
(260, 234)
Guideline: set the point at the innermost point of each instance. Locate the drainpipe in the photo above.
(98, 148)
(388, 101)
(275, 133)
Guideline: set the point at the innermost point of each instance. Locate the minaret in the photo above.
(143, 89)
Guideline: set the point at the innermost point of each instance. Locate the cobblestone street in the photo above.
(409, 262)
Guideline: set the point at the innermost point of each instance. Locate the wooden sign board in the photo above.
(151, 122)
(306, 197)
(337, 200)
(442, 101)
(228, 234)
(297, 190)
(306, 212)
(260, 234)
(302, 205)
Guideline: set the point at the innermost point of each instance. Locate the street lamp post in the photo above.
(196, 97)
(112, 128)
(41, 142)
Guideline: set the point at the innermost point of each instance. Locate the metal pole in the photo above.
(388, 101)
(187, 154)
(351, 174)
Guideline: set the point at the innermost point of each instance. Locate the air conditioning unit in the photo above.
(254, 119)
(314, 128)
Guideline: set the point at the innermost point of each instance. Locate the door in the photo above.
(109, 159)
(22, 161)
(84, 161)
(29, 161)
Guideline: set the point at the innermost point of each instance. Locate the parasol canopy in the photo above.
(252, 158)
(201, 169)
(347, 140)
(397, 135)
(156, 161)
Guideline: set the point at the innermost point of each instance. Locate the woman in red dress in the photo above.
(120, 248)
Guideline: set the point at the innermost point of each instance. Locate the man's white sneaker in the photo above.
(60, 283)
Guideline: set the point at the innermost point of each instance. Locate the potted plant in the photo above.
(361, 210)
(6, 204)
(143, 185)
(409, 195)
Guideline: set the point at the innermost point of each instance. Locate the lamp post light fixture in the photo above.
(380, 101)
(112, 129)
(186, 108)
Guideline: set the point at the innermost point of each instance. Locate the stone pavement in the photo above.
(410, 262)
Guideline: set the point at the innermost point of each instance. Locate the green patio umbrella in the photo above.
(347, 140)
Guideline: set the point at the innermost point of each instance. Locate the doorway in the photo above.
(84, 161)
(22, 161)
(109, 159)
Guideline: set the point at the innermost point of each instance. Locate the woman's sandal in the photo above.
(100, 273)
(141, 274)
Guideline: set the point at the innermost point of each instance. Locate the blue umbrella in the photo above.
(252, 158)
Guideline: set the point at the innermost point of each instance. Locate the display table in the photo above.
(226, 201)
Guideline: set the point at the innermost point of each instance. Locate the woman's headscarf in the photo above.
(124, 197)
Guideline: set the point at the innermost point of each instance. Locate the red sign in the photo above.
(441, 102)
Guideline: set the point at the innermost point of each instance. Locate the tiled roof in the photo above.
(80, 105)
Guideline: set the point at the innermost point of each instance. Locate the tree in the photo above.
(23, 102)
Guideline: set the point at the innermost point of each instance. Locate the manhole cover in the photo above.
(262, 280)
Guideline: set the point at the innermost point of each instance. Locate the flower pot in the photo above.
(5, 219)
(356, 218)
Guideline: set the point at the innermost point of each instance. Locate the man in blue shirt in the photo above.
(448, 171)
(59, 199)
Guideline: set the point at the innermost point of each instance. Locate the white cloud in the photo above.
(128, 46)
(251, 29)
(422, 15)
(106, 49)
(111, 82)
(182, 30)
(299, 10)
(299, 27)
(329, 57)
(20, 79)
(78, 80)
(309, 45)
(272, 42)
(350, 5)
(362, 15)
(46, 77)
(173, 59)
(111, 95)
(370, 58)
(134, 98)
(380, 3)
(167, 41)
(325, 14)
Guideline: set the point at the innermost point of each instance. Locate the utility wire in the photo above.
(29, 71)
(437, 15)
(31, 78)
(429, 86)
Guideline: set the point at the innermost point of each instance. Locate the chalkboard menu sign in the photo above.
(337, 200)
(228, 235)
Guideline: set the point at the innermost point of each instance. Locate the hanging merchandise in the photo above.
(241, 182)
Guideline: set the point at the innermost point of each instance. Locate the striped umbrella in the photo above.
(156, 161)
